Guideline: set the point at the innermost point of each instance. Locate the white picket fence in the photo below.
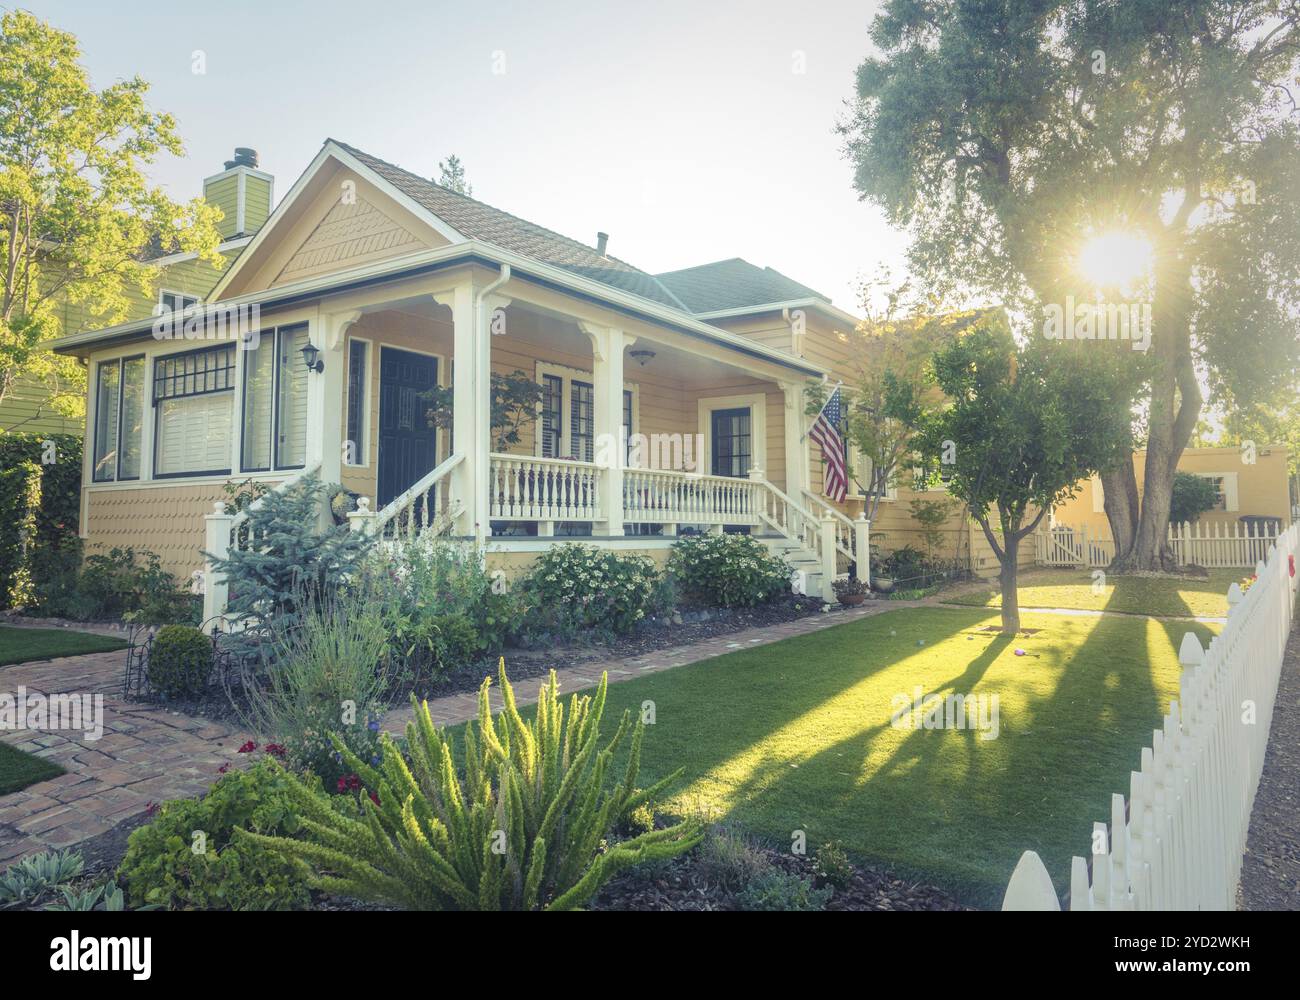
(1178, 841)
(1212, 545)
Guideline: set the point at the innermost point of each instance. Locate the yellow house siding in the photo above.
(25, 410)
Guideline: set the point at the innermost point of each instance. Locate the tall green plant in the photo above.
(524, 828)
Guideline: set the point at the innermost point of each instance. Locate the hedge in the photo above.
(40, 495)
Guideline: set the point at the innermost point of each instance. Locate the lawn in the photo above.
(19, 645)
(18, 769)
(798, 736)
(1075, 588)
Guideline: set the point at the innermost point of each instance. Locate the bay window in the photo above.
(193, 398)
(119, 414)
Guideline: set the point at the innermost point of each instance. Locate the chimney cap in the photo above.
(245, 156)
(602, 241)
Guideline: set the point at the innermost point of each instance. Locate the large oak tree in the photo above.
(1007, 133)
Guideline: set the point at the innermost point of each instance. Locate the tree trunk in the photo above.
(1010, 598)
(1120, 491)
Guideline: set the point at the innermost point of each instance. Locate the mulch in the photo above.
(679, 885)
(1270, 875)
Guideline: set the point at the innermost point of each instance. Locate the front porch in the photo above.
(641, 432)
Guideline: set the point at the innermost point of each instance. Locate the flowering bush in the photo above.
(730, 571)
(580, 587)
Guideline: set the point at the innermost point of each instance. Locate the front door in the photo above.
(730, 439)
(408, 446)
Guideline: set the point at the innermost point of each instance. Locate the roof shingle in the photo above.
(733, 284)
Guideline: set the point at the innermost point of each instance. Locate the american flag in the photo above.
(826, 432)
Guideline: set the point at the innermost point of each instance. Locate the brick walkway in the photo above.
(148, 754)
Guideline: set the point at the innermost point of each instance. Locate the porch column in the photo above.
(796, 446)
(608, 344)
(472, 402)
(325, 439)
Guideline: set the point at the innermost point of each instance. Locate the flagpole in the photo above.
(823, 409)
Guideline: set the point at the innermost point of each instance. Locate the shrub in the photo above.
(445, 612)
(40, 491)
(20, 498)
(324, 672)
(27, 881)
(776, 889)
(524, 829)
(113, 584)
(831, 865)
(186, 858)
(180, 661)
(293, 555)
(728, 858)
(576, 587)
(727, 570)
(1192, 497)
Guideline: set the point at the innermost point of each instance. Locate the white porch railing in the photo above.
(425, 506)
(1177, 843)
(655, 496)
(1212, 545)
(522, 488)
(845, 532)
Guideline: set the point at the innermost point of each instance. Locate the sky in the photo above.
(690, 132)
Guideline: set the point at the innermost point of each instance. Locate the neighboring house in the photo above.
(245, 195)
(1257, 489)
(398, 285)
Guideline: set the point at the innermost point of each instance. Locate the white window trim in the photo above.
(367, 397)
(1231, 497)
(159, 310)
(567, 375)
(757, 403)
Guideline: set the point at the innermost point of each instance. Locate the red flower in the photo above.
(274, 749)
(375, 799)
(150, 808)
(349, 783)
(223, 769)
(248, 747)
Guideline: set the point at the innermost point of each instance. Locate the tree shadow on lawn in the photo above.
(822, 756)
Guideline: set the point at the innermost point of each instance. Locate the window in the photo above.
(356, 427)
(193, 398)
(275, 402)
(175, 301)
(119, 413)
(566, 396)
(1225, 489)
(732, 442)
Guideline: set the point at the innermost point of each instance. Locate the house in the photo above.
(1249, 484)
(245, 196)
(671, 403)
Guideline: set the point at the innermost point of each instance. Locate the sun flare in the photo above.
(1115, 260)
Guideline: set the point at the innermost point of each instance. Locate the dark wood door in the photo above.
(408, 446)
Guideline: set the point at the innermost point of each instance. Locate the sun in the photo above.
(1116, 260)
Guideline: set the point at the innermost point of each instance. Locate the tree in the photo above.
(1022, 430)
(1192, 496)
(78, 217)
(515, 402)
(451, 174)
(1007, 135)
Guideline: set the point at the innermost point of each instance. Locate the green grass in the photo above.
(20, 645)
(797, 735)
(18, 769)
(1073, 588)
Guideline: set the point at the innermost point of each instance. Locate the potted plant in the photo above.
(850, 591)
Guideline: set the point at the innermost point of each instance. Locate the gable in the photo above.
(351, 233)
(332, 221)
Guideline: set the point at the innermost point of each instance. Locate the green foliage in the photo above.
(931, 516)
(40, 488)
(729, 571)
(186, 858)
(776, 889)
(319, 676)
(831, 865)
(451, 174)
(574, 587)
(79, 219)
(180, 661)
(1193, 496)
(107, 897)
(445, 611)
(291, 555)
(516, 404)
(122, 581)
(525, 828)
(29, 880)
